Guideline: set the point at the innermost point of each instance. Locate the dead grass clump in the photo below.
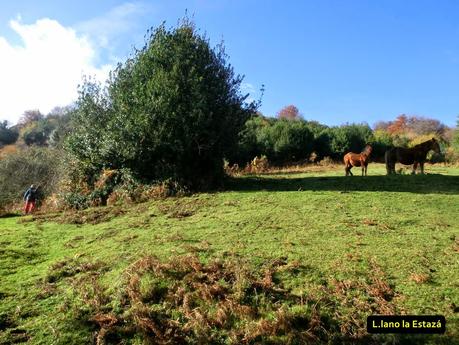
(356, 299)
(52, 203)
(46, 289)
(71, 267)
(176, 237)
(232, 170)
(257, 165)
(294, 168)
(94, 216)
(73, 242)
(119, 197)
(327, 162)
(164, 189)
(88, 216)
(181, 208)
(203, 246)
(185, 300)
(105, 178)
(369, 222)
(381, 290)
(420, 278)
(7, 150)
(456, 245)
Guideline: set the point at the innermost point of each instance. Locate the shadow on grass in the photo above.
(423, 184)
(10, 215)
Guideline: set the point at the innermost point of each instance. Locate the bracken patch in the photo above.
(185, 300)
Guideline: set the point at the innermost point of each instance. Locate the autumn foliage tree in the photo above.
(412, 126)
(289, 112)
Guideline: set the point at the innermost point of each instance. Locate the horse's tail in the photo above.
(347, 164)
(388, 157)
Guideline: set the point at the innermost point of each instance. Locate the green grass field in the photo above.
(299, 257)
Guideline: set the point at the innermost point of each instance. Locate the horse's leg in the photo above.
(350, 172)
(422, 167)
(366, 167)
(390, 162)
(415, 166)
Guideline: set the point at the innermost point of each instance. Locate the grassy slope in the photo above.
(340, 230)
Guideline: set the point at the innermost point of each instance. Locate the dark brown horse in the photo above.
(352, 159)
(415, 155)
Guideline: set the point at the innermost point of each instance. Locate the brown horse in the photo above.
(352, 159)
(415, 155)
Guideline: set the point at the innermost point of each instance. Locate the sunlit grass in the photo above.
(349, 234)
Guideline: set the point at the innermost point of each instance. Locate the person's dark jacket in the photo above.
(30, 194)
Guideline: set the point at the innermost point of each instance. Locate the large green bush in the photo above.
(172, 110)
(287, 141)
(7, 135)
(281, 140)
(38, 132)
(249, 145)
(322, 139)
(382, 141)
(349, 138)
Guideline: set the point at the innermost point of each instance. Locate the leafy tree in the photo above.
(286, 141)
(426, 126)
(51, 129)
(382, 125)
(7, 135)
(456, 136)
(381, 143)
(59, 112)
(295, 141)
(399, 126)
(62, 118)
(322, 139)
(282, 141)
(37, 132)
(248, 145)
(349, 137)
(412, 126)
(172, 110)
(30, 116)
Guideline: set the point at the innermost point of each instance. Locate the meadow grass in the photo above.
(353, 246)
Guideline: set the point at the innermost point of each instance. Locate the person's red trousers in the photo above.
(29, 206)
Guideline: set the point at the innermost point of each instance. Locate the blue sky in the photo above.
(337, 61)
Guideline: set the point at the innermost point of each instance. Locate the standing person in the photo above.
(30, 197)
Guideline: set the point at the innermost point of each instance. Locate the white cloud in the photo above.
(106, 28)
(44, 71)
(248, 88)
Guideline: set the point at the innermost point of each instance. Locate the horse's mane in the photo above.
(424, 144)
(367, 149)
